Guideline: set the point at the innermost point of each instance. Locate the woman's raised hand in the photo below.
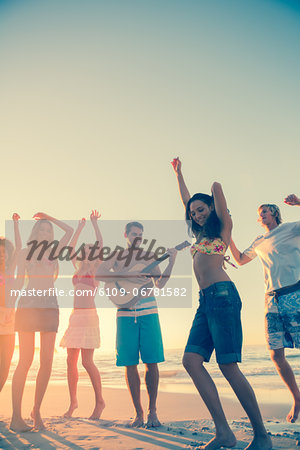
(95, 215)
(183, 190)
(81, 223)
(15, 217)
(176, 163)
(40, 216)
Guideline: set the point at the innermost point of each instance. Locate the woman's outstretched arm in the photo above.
(18, 241)
(94, 219)
(21, 270)
(75, 237)
(183, 190)
(222, 211)
(18, 245)
(239, 257)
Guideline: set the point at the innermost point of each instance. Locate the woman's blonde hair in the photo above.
(34, 236)
(36, 228)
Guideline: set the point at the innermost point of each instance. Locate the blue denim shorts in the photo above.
(217, 324)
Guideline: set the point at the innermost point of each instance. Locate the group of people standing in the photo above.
(216, 326)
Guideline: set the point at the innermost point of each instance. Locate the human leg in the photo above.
(199, 348)
(152, 380)
(7, 345)
(47, 342)
(90, 367)
(26, 352)
(224, 320)
(72, 374)
(246, 396)
(282, 327)
(287, 375)
(151, 348)
(127, 344)
(193, 363)
(134, 385)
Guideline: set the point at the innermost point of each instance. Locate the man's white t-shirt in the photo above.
(279, 252)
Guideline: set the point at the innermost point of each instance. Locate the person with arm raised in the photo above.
(36, 314)
(83, 334)
(217, 323)
(279, 252)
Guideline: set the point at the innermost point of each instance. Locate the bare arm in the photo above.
(239, 257)
(20, 278)
(18, 241)
(18, 245)
(164, 277)
(94, 219)
(105, 271)
(68, 230)
(292, 200)
(222, 211)
(75, 237)
(183, 190)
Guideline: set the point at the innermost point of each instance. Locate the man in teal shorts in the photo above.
(138, 327)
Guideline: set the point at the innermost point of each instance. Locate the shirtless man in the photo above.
(279, 252)
(138, 328)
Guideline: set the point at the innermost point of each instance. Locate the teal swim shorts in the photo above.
(137, 336)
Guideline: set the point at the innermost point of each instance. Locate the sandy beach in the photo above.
(184, 418)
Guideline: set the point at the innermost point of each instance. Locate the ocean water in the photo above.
(256, 366)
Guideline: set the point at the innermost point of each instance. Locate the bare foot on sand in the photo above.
(96, 414)
(152, 420)
(293, 414)
(137, 422)
(37, 420)
(19, 425)
(71, 409)
(227, 440)
(260, 443)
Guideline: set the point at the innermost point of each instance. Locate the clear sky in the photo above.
(97, 97)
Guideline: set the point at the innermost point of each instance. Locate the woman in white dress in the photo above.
(82, 334)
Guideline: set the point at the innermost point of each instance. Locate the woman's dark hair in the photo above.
(212, 226)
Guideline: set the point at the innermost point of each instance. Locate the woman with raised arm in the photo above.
(8, 258)
(217, 324)
(83, 333)
(37, 313)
